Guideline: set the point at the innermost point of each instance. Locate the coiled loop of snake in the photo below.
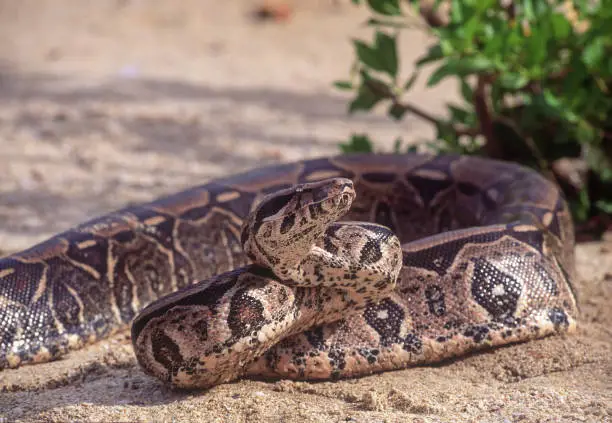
(296, 283)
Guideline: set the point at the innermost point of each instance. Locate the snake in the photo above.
(252, 275)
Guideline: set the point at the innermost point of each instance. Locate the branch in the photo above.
(492, 147)
(383, 91)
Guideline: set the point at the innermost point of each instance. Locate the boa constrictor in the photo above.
(487, 260)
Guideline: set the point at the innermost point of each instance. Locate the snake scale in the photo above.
(486, 259)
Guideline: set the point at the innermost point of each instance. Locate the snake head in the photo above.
(295, 218)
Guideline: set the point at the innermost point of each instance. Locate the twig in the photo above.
(492, 147)
(383, 91)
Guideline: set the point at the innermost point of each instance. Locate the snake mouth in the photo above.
(345, 200)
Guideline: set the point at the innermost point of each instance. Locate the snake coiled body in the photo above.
(487, 260)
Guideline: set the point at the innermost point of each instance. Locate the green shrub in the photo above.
(534, 76)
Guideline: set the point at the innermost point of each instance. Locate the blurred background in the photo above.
(108, 102)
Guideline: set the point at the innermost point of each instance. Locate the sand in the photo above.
(109, 103)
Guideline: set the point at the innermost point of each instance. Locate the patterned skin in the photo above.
(487, 260)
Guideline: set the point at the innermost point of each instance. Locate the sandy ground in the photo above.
(108, 103)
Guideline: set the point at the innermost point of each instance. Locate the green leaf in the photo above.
(477, 64)
(456, 11)
(528, 10)
(536, 44)
(470, 28)
(358, 143)
(460, 67)
(343, 85)
(458, 114)
(386, 50)
(580, 207)
(410, 81)
(512, 81)
(381, 56)
(442, 72)
(604, 206)
(396, 111)
(448, 137)
(466, 91)
(552, 99)
(585, 132)
(554, 106)
(605, 174)
(376, 86)
(386, 7)
(593, 52)
(365, 100)
(366, 54)
(561, 28)
(434, 53)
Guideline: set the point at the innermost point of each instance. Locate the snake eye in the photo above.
(273, 205)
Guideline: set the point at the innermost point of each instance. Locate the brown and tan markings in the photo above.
(487, 259)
